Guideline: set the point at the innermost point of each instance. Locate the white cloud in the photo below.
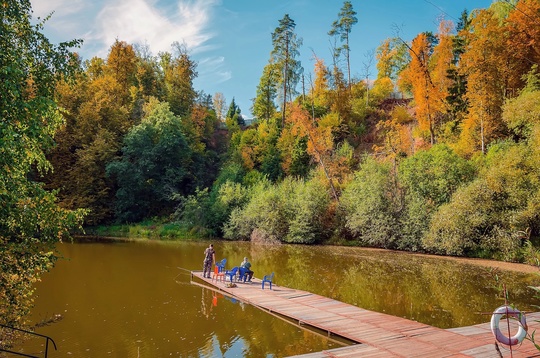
(211, 68)
(61, 8)
(139, 21)
(158, 23)
(70, 18)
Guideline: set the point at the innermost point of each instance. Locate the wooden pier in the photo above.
(376, 334)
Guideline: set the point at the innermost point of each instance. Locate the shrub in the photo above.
(290, 211)
(369, 204)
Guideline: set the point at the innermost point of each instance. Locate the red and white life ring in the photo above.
(509, 312)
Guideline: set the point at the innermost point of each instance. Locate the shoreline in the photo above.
(503, 265)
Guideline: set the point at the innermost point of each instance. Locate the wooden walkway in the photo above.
(377, 334)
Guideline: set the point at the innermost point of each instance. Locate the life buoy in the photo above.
(509, 312)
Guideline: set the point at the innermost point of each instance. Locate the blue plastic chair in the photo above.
(242, 274)
(231, 274)
(269, 279)
(221, 265)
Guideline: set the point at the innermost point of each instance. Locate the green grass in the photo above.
(154, 229)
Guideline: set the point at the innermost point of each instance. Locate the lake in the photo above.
(135, 299)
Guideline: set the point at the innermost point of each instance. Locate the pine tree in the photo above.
(234, 115)
(264, 106)
(342, 28)
(284, 53)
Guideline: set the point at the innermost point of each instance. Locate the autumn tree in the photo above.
(397, 134)
(285, 50)
(392, 56)
(440, 65)
(98, 114)
(179, 72)
(319, 140)
(200, 124)
(423, 88)
(320, 88)
(523, 40)
(342, 27)
(486, 66)
(122, 66)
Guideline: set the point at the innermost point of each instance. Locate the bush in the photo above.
(429, 179)
(289, 212)
(369, 204)
(489, 216)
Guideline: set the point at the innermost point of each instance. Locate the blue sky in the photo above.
(231, 39)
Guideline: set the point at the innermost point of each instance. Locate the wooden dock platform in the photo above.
(376, 334)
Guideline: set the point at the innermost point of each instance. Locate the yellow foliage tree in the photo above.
(485, 63)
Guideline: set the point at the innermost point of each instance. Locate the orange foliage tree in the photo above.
(523, 39)
(320, 142)
(485, 63)
(397, 132)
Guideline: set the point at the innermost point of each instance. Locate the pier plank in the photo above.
(376, 334)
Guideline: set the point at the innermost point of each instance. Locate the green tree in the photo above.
(31, 221)
(264, 106)
(149, 80)
(342, 27)
(156, 163)
(285, 50)
(300, 158)
(457, 90)
(234, 116)
(435, 174)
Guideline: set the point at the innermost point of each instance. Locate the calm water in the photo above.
(134, 300)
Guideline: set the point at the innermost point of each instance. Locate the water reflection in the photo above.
(136, 299)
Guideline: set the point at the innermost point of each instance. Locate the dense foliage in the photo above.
(30, 219)
(449, 167)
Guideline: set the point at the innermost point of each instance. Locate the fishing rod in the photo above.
(183, 269)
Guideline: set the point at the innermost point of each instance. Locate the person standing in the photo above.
(209, 259)
(247, 265)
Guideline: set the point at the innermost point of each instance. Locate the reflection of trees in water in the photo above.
(434, 291)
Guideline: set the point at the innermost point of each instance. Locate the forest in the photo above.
(440, 153)
(437, 154)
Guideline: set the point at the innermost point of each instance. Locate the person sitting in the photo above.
(247, 266)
